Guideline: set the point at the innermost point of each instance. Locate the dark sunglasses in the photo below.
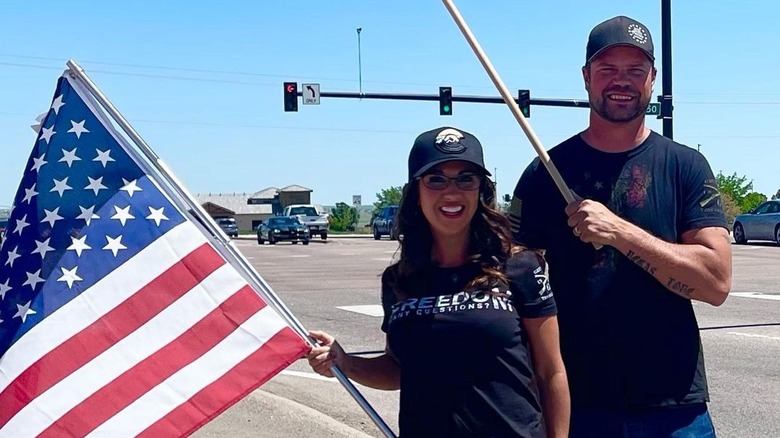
(464, 181)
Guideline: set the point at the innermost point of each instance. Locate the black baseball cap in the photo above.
(441, 145)
(619, 31)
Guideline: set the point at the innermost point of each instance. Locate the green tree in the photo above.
(753, 200)
(343, 217)
(390, 196)
(737, 187)
(776, 195)
(730, 208)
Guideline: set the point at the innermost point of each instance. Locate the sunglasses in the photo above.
(464, 181)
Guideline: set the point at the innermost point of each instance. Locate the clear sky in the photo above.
(202, 83)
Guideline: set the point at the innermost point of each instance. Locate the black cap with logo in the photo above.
(441, 145)
(619, 31)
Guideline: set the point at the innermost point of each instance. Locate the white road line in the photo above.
(296, 256)
(756, 295)
(308, 375)
(369, 309)
(751, 335)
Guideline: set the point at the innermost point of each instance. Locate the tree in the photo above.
(776, 195)
(343, 217)
(737, 187)
(752, 200)
(730, 208)
(390, 196)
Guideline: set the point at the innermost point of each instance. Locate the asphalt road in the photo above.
(326, 283)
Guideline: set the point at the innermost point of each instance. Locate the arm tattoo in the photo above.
(642, 263)
(679, 287)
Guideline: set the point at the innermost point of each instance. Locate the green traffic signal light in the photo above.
(445, 101)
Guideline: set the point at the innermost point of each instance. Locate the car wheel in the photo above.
(377, 236)
(271, 240)
(294, 242)
(306, 242)
(259, 240)
(739, 234)
(777, 234)
(324, 236)
(393, 235)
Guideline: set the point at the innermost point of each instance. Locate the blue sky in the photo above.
(202, 84)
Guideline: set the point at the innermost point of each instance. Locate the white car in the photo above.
(313, 216)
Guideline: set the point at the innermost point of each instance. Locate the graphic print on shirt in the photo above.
(711, 201)
(451, 303)
(631, 188)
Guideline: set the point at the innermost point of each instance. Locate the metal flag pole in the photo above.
(184, 200)
(510, 102)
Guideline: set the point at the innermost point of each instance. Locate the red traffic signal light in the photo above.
(290, 96)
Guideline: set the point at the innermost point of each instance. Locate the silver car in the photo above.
(763, 223)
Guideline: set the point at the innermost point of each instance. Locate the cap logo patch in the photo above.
(448, 141)
(637, 33)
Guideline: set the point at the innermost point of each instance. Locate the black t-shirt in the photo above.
(464, 356)
(627, 341)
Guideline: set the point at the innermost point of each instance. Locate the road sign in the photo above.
(356, 200)
(311, 94)
(654, 109)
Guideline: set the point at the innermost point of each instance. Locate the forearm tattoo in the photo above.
(642, 263)
(679, 287)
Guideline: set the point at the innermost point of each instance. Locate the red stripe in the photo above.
(108, 330)
(275, 355)
(153, 370)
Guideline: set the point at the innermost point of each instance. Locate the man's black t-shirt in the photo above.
(627, 341)
(464, 356)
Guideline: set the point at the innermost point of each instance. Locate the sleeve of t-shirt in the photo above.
(530, 286)
(702, 203)
(524, 210)
(388, 298)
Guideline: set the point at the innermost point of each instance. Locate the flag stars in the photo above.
(95, 185)
(103, 156)
(78, 128)
(60, 186)
(12, 256)
(21, 224)
(122, 214)
(29, 194)
(51, 216)
(38, 163)
(42, 248)
(69, 157)
(33, 278)
(599, 185)
(23, 311)
(87, 214)
(130, 187)
(79, 245)
(157, 215)
(69, 276)
(4, 288)
(114, 244)
(57, 104)
(46, 134)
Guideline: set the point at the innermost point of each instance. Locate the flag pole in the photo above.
(184, 200)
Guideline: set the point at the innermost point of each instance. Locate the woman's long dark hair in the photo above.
(490, 242)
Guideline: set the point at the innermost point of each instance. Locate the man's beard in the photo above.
(619, 114)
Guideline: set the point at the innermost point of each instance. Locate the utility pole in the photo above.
(360, 63)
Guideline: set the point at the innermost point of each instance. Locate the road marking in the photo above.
(308, 375)
(296, 256)
(369, 309)
(751, 335)
(756, 295)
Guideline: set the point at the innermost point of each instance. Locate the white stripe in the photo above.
(751, 335)
(93, 303)
(367, 309)
(756, 295)
(180, 387)
(309, 376)
(149, 338)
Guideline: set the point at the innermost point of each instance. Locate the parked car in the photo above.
(762, 223)
(384, 223)
(228, 225)
(282, 228)
(313, 216)
(3, 227)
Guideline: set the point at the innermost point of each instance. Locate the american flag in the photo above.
(118, 317)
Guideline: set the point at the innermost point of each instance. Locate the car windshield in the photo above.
(306, 211)
(227, 221)
(283, 221)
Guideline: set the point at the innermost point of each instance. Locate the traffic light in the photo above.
(290, 96)
(445, 101)
(523, 101)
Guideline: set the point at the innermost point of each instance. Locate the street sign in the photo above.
(311, 94)
(356, 200)
(654, 109)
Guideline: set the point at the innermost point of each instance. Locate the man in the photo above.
(646, 236)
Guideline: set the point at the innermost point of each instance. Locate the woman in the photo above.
(472, 336)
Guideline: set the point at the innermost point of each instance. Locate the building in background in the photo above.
(250, 209)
